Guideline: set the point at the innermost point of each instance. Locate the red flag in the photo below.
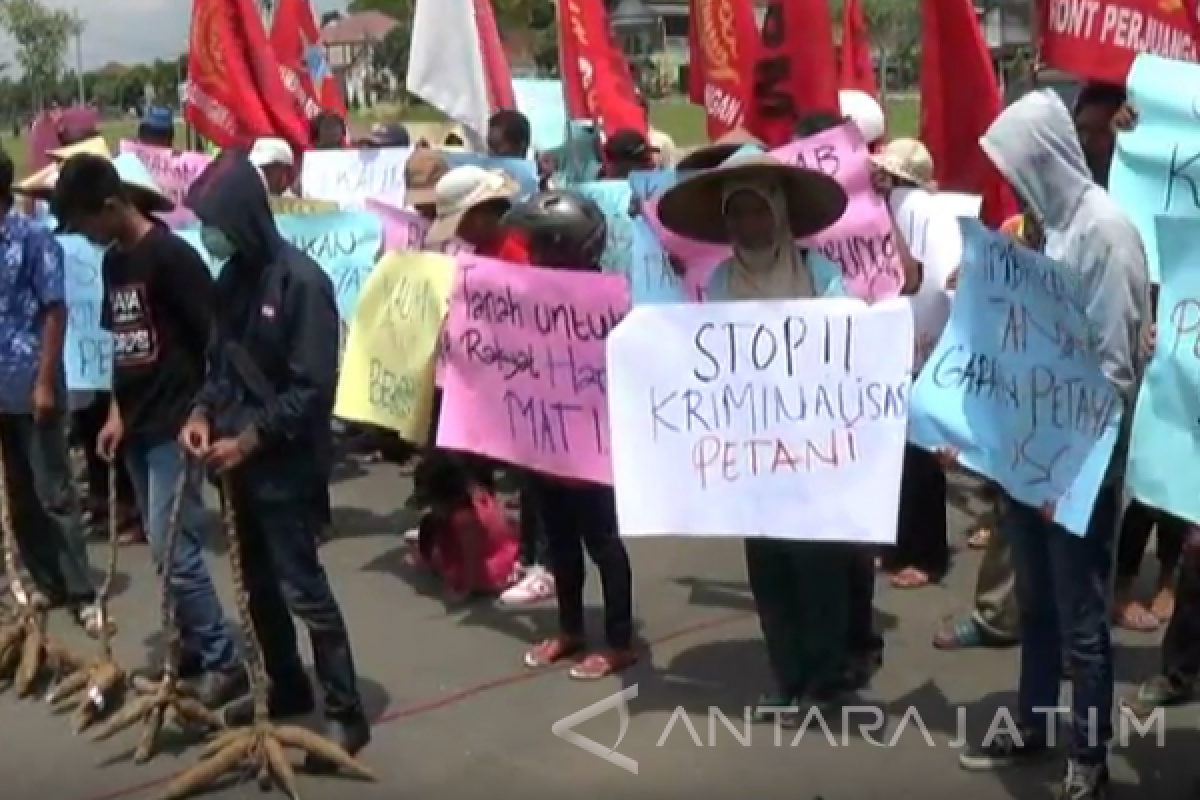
(595, 74)
(234, 92)
(723, 38)
(856, 71)
(496, 73)
(959, 100)
(1098, 40)
(795, 71)
(305, 70)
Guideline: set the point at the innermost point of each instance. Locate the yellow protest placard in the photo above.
(300, 205)
(388, 367)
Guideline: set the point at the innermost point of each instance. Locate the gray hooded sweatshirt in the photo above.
(1034, 146)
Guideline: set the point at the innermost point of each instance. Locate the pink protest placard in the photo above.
(172, 171)
(402, 229)
(863, 241)
(522, 368)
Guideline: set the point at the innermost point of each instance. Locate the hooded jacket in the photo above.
(274, 357)
(1034, 145)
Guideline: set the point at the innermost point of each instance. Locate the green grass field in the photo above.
(684, 122)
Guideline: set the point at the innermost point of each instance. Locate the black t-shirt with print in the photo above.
(158, 306)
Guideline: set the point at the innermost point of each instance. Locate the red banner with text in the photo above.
(1098, 39)
(723, 38)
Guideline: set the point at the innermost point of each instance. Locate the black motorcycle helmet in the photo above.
(562, 229)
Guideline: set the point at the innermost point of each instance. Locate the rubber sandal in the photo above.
(1158, 692)
(550, 652)
(1134, 616)
(980, 536)
(962, 635)
(598, 666)
(910, 578)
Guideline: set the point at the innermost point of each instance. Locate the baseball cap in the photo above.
(158, 118)
(422, 172)
(627, 145)
(388, 135)
(460, 190)
(270, 150)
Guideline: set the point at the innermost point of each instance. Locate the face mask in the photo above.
(217, 244)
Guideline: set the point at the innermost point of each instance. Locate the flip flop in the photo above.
(1134, 616)
(911, 578)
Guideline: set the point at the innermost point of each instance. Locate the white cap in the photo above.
(864, 112)
(460, 190)
(270, 150)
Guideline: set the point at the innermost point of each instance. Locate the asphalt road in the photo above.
(457, 716)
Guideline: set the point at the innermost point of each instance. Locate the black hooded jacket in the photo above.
(274, 358)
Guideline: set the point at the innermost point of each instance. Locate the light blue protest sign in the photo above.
(541, 101)
(652, 279)
(648, 184)
(1156, 169)
(346, 244)
(1014, 385)
(1166, 423)
(614, 198)
(87, 348)
(520, 170)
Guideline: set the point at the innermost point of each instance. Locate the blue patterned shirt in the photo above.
(31, 280)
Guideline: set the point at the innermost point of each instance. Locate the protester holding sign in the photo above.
(262, 418)
(566, 231)
(1063, 578)
(760, 206)
(922, 553)
(157, 295)
(470, 204)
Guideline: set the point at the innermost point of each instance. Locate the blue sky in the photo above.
(133, 30)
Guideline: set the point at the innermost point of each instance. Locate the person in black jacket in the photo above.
(263, 419)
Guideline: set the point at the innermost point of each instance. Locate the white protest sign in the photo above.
(775, 419)
(349, 177)
(928, 223)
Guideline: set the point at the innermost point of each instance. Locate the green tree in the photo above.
(42, 36)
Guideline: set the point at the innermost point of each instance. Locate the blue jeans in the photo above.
(155, 471)
(1063, 585)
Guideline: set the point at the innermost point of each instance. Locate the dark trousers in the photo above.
(532, 526)
(45, 508)
(1181, 644)
(1136, 526)
(862, 640)
(1063, 591)
(85, 427)
(801, 591)
(921, 528)
(578, 518)
(284, 576)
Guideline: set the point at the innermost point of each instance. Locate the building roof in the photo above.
(358, 28)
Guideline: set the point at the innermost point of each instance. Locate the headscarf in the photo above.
(774, 272)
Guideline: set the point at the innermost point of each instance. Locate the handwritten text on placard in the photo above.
(1014, 385)
(753, 416)
(523, 366)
